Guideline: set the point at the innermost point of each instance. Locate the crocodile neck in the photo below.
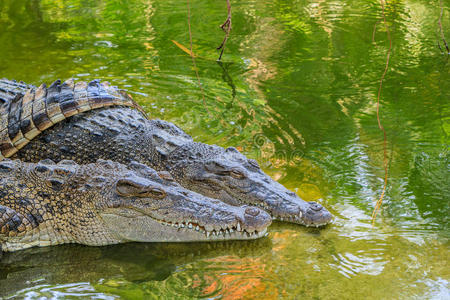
(120, 134)
(34, 213)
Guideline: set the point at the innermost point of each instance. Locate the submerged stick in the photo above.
(380, 126)
(193, 59)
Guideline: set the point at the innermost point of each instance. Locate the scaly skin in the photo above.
(108, 203)
(122, 134)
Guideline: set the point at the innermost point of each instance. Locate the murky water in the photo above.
(297, 91)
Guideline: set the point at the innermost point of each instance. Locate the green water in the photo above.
(297, 91)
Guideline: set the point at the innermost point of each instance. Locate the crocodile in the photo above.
(87, 121)
(102, 203)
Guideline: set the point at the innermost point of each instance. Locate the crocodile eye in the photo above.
(238, 174)
(157, 193)
(128, 187)
(137, 187)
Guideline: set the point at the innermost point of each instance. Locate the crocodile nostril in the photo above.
(315, 206)
(252, 211)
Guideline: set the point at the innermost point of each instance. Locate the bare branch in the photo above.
(226, 26)
(441, 30)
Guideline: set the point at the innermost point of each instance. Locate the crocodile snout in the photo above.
(252, 211)
(254, 219)
(315, 206)
(317, 215)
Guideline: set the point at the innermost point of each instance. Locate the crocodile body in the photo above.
(108, 203)
(120, 131)
(27, 111)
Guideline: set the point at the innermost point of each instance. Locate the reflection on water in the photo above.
(296, 91)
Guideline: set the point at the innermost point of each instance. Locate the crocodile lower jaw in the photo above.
(145, 228)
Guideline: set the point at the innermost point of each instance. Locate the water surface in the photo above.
(296, 90)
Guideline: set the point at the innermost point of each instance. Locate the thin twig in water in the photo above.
(441, 30)
(226, 26)
(374, 30)
(385, 159)
(193, 59)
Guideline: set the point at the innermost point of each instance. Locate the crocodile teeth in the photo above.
(219, 233)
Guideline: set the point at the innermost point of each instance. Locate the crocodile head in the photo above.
(107, 203)
(148, 206)
(228, 175)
